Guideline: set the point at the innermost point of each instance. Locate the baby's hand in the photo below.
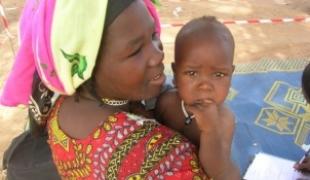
(213, 119)
(206, 116)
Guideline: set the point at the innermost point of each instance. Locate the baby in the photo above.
(203, 67)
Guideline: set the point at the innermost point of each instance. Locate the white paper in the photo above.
(265, 167)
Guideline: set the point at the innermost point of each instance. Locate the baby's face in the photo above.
(203, 72)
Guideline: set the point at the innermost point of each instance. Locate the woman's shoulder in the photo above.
(77, 119)
(128, 142)
(72, 122)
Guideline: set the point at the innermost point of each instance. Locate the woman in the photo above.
(94, 131)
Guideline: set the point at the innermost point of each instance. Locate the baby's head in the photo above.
(204, 53)
(305, 83)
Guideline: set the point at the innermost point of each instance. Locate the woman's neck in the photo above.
(114, 108)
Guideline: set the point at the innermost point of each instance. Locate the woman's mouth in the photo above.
(158, 79)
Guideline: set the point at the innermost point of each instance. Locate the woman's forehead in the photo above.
(130, 26)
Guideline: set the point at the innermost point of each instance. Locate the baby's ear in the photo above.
(233, 69)
(173, 68)
(174, 72)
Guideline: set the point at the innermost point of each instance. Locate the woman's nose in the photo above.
(157, 53)
(160, 45)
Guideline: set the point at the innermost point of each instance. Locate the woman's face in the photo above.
(130, 62)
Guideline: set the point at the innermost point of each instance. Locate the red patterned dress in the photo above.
(126, 146)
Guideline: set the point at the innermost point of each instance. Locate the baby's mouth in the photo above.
(204, 101)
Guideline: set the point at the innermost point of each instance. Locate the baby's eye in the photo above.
(219, 74)
(191, 73)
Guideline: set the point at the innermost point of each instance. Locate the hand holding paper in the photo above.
(304, 163)
(267, 166)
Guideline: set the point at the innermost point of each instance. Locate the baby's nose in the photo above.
(206, 84)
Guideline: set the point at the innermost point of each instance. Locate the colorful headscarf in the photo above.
(60, 40)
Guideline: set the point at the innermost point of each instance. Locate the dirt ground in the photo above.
(253, 41)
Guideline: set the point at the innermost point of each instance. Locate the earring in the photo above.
(188, 118)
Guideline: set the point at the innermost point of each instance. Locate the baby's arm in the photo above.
(168, 110)
(216, 126)
(213, 130)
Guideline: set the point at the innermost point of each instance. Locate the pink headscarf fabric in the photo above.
(18, 85)
(37, 54)
(154, 14)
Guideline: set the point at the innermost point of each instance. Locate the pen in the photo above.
(305, 156)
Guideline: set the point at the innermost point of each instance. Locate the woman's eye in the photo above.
(191, 73)
(135, 52)
(154, 35)
(219, 74)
